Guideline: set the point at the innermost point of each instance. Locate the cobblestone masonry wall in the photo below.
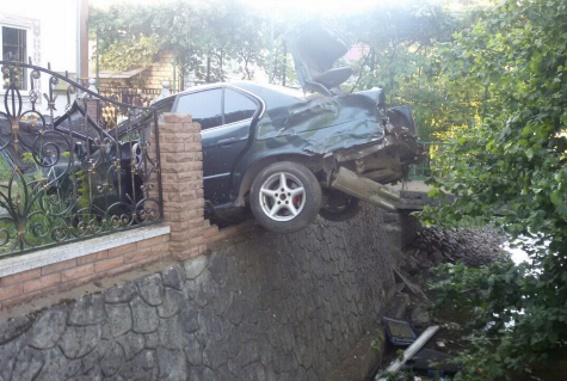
(259, 307)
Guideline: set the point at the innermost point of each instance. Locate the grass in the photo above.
(5, 171)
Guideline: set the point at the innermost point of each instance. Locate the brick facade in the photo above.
(182, 182)
(149, 82)
(160, 71)
(21, 287)
(181, 167)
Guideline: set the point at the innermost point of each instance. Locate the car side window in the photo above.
(237, 106)
(204, 106)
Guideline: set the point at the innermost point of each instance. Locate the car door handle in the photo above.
(227, 141)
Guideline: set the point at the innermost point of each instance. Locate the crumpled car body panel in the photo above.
(325, 125)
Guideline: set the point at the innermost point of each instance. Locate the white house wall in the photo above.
(52, 35)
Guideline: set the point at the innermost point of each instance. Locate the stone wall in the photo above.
(258, 306)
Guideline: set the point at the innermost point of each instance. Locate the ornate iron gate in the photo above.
(86, 172)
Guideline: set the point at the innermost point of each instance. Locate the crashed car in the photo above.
(289, 157)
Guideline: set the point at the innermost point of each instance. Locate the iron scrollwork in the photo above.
(74, 173)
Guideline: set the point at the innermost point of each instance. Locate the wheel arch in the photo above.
(314, 163)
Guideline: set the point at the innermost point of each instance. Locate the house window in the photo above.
(14, 48)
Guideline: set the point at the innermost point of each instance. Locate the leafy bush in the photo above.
(513, 164)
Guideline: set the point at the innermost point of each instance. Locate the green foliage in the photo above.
(406, 58)
(399, 376)
(377, 343)
(83, 189)
(129, 53)
(5, 170)
(202, 36)
(511, 162)
(401, 54)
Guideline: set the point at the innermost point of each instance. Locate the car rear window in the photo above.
(237, 106)
(204, 106)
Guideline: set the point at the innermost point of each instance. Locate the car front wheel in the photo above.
(285, 197)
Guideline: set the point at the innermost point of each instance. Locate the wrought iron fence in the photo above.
(133, 96)
(84, 173)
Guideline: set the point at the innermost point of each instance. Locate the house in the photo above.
(139, 85)
(48, 33)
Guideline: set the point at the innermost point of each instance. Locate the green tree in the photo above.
(405, 58)
(402, 57)
(202, 36)
(511, 163)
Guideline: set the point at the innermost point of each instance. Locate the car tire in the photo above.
(339, 207)
(285, 197)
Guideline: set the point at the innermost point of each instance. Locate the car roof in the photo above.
(272, 95)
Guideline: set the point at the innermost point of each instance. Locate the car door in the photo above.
(225, 115)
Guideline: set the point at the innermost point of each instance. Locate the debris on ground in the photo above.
(432, 247)
(413, 350)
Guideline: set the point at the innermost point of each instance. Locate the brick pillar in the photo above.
(182, 181)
